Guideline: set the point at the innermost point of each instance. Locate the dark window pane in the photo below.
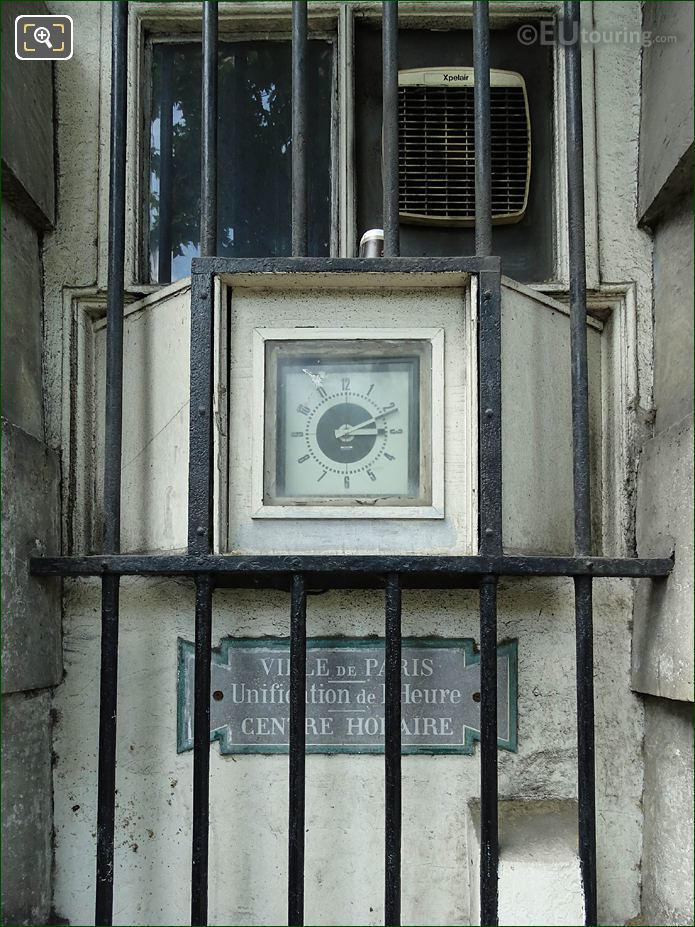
(254, 152)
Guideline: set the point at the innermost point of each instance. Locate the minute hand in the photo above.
(342, 432)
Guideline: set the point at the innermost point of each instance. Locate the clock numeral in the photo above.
(302, 459)
(322, 476)
(370, 389)
(346, 482)
(297, 434)
(321, 391)
(346, 383)
(303, 410)
(389, 405)
(389, 456)
(371, 475)
(396, 431)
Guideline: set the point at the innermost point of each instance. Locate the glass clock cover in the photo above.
(347, 422)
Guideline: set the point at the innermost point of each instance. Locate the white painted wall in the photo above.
(344, 794)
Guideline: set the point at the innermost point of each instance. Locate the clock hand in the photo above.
(361, 431)
(345, 430)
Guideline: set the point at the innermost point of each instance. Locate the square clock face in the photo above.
(349, 426)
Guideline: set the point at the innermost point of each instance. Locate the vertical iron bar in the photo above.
(116, 262)
(481, 97)
(295, 886)
(490, 468)
(201, 747)
(586, 784)
(200, 441)
(300, 247)
(392, 753)
(200, 474)
(208, 184)
(106, 799)
(488, 751)
(200, 521)
(389, 172)
(106, 789)
(166, 153)
(586, 788)
(580, 378)
(300, 231)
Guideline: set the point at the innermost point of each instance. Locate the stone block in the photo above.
(22, 334)
(662, 647)
(666, 131)
(667, 864)
(31, 606)
(673, 317)
(27, 808)
(539, 876)
(27, 113)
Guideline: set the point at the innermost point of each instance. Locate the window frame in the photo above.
(333, 20)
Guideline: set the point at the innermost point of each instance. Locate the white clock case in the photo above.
(435, 336)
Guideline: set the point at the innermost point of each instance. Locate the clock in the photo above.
(348, 424)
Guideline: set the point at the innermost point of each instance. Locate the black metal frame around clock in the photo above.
(299, 574)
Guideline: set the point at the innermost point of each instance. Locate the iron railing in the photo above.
(298, 574)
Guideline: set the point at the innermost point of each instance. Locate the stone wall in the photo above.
(662, 656)
(31, 640)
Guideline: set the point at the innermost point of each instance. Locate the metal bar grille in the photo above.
(389, 133)
(489, 348)
(108, 699)
(295, 888)
(581, 463)
(300, 228)
(297, 746)
(392, 752)
(300, 574)
(166, 153)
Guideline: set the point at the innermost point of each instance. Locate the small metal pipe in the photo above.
(166, 153)
(106, 790)
(300, 226)
(392, 752)
(201, 751)
(489, 850)
(295, 887)
(389, 134)
(208, 159)
(581, 460)
(481, 103)
(108, 698)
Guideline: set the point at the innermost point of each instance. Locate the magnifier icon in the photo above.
(43, 35)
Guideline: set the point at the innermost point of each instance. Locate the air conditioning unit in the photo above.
(436, 146)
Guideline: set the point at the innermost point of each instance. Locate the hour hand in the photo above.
(341, 432)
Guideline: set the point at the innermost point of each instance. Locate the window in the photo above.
(254, 152)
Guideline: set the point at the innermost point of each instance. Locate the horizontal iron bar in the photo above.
(445, 567)
(317, 265)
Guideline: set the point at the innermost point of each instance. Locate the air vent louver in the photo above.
(436, 160)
